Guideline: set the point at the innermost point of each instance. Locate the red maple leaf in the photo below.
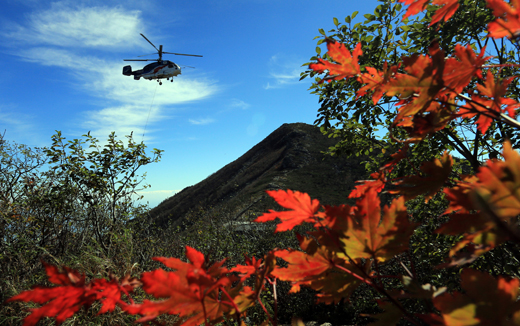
(414, 6)
(498, 184)
(260, 268)
(396, 158)
(449, 7)
(422, 124)
(62, 301)
(492, 191)
(421, 85)
(302, 209)
(370, 235)
(375, 80)
(458, 196)
(347, 63)
(319, 268)
(194, 291)
(508, 19)
(379, 178)
(363, 186)
(489, 103)
(251, 267)
(486, 301)
(375, 236)
(458, 73)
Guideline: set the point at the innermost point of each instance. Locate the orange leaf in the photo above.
(497, 186)
(252, 266)
(260, 268)
(61, 302)
(315, 267)
(303, 209)
(479, 235)
(423, 124)
(458, 196)
(366, 185)
(302, 267)
(499, 183)
(436, 174)
(449, 7)
(508, 19)
(347, 63)
(414, 6)
(193, 292)
(369, 235)
(490, 107)
(375, 80)
(486, 301)
(422, 83)
(458, 73)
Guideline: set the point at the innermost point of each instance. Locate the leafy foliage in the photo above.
(62, 301)
(355, 248)
(71, 203)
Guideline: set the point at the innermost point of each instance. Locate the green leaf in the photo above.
(369, 17)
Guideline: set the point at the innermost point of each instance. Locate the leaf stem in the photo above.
(266, 312)
(232, 302)
(275, 296)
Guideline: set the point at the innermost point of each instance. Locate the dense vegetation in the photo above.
(443, 251)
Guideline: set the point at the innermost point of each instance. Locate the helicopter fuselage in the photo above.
(156, 70)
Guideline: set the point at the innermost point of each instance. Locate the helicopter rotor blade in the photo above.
(144, 55)
(140, 60)
(190, 55)
(149, 42)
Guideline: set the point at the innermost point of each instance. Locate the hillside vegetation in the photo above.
(71, 206)
(291, 157)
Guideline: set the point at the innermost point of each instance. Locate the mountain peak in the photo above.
(291, 157)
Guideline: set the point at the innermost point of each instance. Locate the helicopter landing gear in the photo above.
(159, 81)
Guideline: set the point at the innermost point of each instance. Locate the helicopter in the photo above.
(157, 70)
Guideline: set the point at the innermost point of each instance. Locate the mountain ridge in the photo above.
(291, 157)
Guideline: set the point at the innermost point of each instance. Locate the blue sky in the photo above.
(62, 61)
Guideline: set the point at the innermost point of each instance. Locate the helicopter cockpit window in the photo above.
(170, 66)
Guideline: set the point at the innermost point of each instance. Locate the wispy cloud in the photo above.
(284, 71)
(79, 39)
(81, 26)
(236, 103)
(201, 121)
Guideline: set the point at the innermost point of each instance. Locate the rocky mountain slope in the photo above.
(289, 158)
